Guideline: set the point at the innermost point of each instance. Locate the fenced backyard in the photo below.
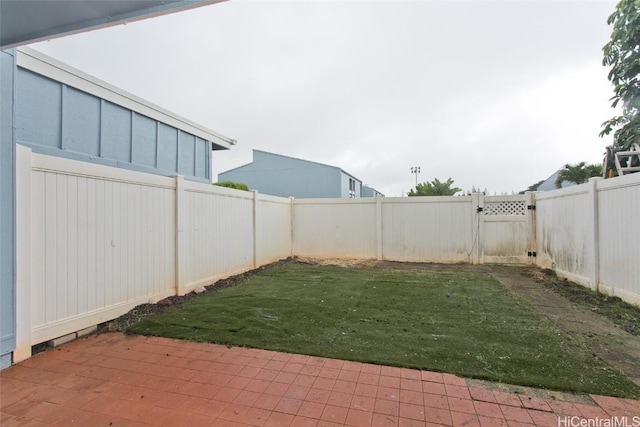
(93, 241)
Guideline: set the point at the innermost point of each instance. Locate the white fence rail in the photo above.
(93, 241)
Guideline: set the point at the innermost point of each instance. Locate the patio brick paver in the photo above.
(118, 380)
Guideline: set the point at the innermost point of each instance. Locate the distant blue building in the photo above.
(370, 192)
(286, 176)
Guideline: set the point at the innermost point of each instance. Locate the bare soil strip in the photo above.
(606, 340)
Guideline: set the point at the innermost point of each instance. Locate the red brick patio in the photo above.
(118, 380)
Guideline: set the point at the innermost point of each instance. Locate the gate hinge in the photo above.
(531, 253)
(479, 209)
(531, 207)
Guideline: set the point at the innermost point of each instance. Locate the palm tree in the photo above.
(435, 188)
(578, 173)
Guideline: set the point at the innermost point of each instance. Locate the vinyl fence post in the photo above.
(531, 226)
(379, 228)
(181, 252)
(292, 224)
(477, 231)
(595, 237)
(255, 228)
(23, 254)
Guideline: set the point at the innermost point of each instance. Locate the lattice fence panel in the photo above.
(505, 208)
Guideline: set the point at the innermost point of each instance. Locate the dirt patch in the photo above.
(337, 262)
(623, 314)
(576, 315)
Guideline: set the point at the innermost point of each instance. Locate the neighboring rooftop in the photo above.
(285, 176)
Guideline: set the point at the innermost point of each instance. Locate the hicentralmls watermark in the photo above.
(621, 421)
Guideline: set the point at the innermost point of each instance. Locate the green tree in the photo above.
(578, 173)
(435, 188)
(622, 54)
(231, 184)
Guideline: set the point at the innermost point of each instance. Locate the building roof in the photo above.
(550, 183)
(296, 159)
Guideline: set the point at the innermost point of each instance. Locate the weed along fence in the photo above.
(94, 241)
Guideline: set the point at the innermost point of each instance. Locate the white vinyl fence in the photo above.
(93, 241)
(590, 234)
(335, 228)
(473, 228)
(429, 229)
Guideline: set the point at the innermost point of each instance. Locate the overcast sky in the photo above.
(496, 95)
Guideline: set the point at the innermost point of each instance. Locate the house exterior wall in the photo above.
(7, 233)
(370, 192)
(57, 119)
(59, 114)
(287, 177)
(345, 191)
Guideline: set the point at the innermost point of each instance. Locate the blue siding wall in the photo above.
(7, 271)
(167, 147)
(81, 109)
(39, 112)
(145, 133)
(186, 154)
(202, 157)
(57, 119)
(116, 132)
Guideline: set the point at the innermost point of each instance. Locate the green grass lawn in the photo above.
(458, 322)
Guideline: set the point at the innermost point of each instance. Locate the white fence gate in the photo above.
(506, 230)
